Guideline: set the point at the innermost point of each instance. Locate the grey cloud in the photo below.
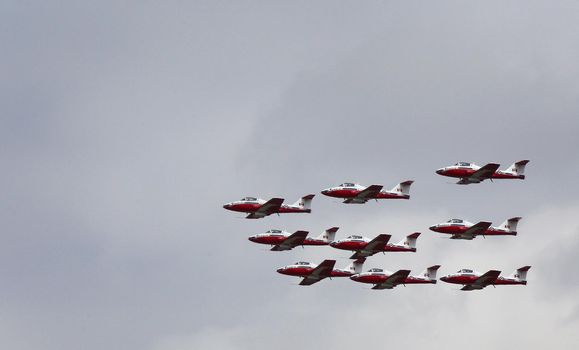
(126, 126)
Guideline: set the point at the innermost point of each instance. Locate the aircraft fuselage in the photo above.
(278, 239)
(356, 245)
(381, 278)
(346, 193)
(457, 229)
(470, 279)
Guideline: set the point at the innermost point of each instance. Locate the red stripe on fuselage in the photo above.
(507, 176)
(343, 193)
(452, 230)
(396, 248)
(306, 271)
(372, 279)
(471, 279)
(297, 271)
(414, 280)
(336, 273)
(350, 245)
(460, 173)
(461, 279)
(244, 207)
(387, 195)
(457, 172)
(353, 193)
(313, 241)
(253, 207)
(283, 210)
(275, 240)
(356, 245)
(377, 279)
(507, 281)
(271, 240)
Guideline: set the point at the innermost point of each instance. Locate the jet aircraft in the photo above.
(382, 279)
(472, 280)
(462, 229)
(259, 208)
(353, 193)
(282, 240)
(365, 247)
(312, 273)
(470, 173)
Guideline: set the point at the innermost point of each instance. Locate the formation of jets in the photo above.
(363, 247)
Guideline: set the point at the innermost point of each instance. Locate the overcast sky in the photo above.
(125, 126)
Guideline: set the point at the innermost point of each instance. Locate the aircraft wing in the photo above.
(268, 208)
(393, 280)
(369, 192)
(477, 229)
(374, 246)
(292, 241)
(321, 271)
(486, 172)
(486, 279)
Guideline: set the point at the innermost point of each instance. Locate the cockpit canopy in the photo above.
(456, 221)
(347, 184)
(462, 164)
(464, 271)
(273, 231)
(248, 199)
(355, 237)
(305, 263)
(375, 270)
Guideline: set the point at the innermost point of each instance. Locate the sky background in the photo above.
(125, 126)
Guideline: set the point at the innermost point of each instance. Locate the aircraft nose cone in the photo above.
(326, 191)
(280, 270)
(355, 277)
(433, 228)
(226, 206)
(252, 238)
(444, 279)
(440, 171)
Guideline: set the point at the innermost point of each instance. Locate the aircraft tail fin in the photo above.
(403, 188)
(511, 224)
(430, 273)
(356, 266)
(305, 202)
(521, 274)
(410, 240)
(329, 235)
(518, 168)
